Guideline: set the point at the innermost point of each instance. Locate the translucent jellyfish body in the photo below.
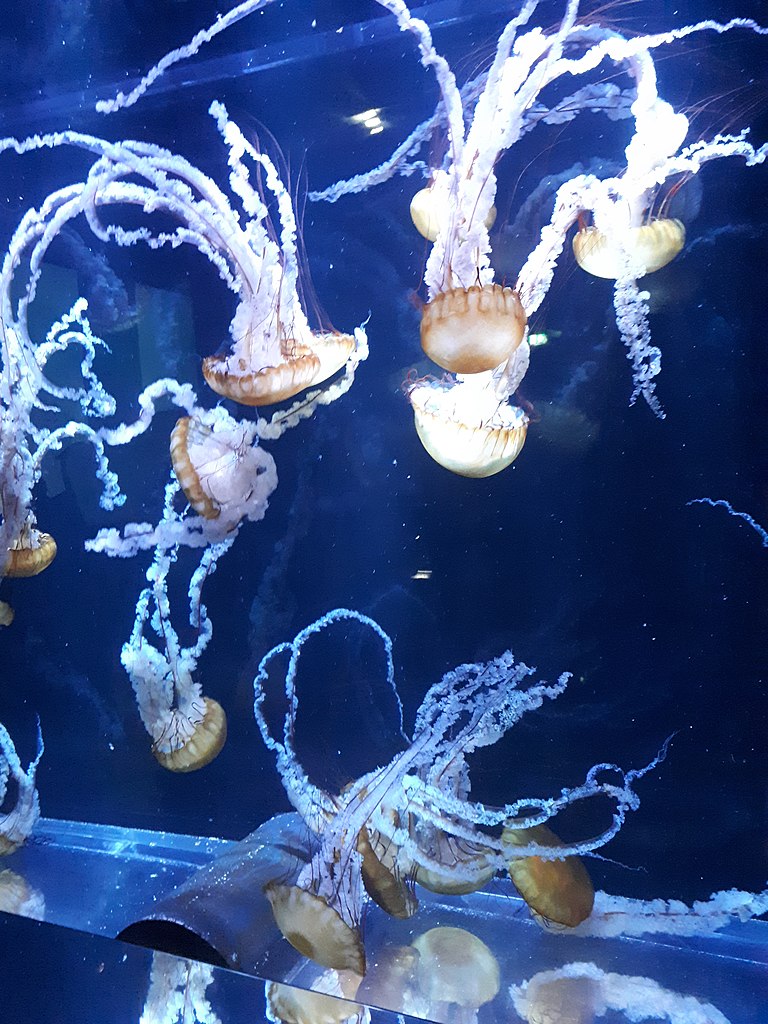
(465, 428)
(648, 248)
(455, 967)
(216, 463)
(431, 208)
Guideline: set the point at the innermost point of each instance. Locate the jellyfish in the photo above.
(479, 322)
(17, 823)
(325, 1003)
(216, 463)
(456, 973)
(19, 898)
(188, 729)
(578, 993)
(7, 614)
(30, 553)
(652, 246)
(274, 354)
(559, 892)
(414, 813)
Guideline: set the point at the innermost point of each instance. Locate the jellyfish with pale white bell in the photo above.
(414, 813)
(17, 823)
(456, 973)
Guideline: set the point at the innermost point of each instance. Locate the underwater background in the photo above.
(584, 556)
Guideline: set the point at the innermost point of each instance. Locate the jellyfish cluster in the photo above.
(219, 474)
(413, 822)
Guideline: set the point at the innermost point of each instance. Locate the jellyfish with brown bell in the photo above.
(274, 355)
(30, 554)
(558, 891)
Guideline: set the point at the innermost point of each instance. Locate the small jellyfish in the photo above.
(7, 614)
(648, 247)
(30, 553)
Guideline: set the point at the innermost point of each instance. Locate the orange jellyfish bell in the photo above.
(31, 553)
(472, 441)
(315, 929)
(468, 330)
(559, 891)
(249, 383)
(184, 751)
(651, 247)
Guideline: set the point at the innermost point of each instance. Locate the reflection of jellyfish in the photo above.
(19, 898)
(177, 992)
(579, 993)
(17, 823)
(456, 973)
(415, 813)
(327, 1002)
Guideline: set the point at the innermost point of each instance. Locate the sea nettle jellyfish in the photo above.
(471, 326)
(18, 821)
(273, 354)
(414, 816)
(187, 728)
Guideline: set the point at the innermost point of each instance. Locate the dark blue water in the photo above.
(583, 556)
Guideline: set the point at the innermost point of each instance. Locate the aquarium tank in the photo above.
(383, 511)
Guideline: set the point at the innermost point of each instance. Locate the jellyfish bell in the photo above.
(381, 878)
(431, 208)
(315, 929)
(468, 330)
(188, 742)
(465, 428)
(312, 1006)
(457, 869)
(30, 553)
(559, 892)
(251, 383)
(454, 966)
(649, 247)
(333, 350)
(214, 462)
